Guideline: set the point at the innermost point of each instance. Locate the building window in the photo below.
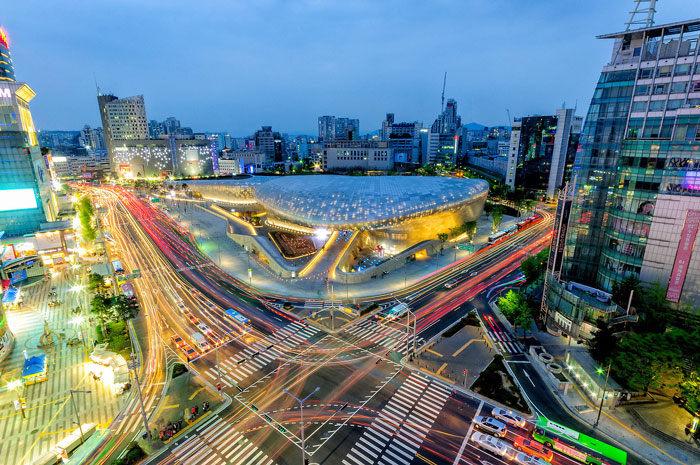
(683, 70)
(642, 90)
(646, 73)
(679, 87)
(657, 105)
(660, 89)
(664, 71)
(639, 107)
(674, 104)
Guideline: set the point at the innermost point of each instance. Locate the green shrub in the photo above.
(179, 369)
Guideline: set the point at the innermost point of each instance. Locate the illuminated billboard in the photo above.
(191, 155)
(17, 199)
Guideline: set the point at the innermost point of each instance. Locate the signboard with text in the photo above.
(683, 254)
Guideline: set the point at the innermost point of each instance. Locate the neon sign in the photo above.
(5, 93)
(3, 38)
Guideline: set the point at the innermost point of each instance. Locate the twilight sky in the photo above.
(233, 66)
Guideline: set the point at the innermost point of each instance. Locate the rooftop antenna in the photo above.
(510, 120)
(442, 101)
(642, 15)
(98, 87)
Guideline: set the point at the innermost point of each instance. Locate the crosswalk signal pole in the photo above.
(218, 372)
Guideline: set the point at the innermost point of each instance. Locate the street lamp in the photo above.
(605, 387)
(15, 385)
(80, 425)
(301, 411)
(78, 321)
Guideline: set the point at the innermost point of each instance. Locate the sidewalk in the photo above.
(628, 425)
(210, 233)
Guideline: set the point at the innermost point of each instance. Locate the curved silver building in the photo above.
(402, 210)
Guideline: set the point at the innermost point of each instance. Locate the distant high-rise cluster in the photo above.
(331, 128)
(443, 141)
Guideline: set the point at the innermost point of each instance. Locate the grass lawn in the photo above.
(496, 383)
(117, 337)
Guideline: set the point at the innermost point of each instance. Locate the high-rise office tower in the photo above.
(542, 152)
(636, 201)
(122, 119)
(26, 199)
(7, 71)
(331, 128)
(443, 141)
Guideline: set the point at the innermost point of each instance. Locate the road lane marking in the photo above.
(466, 438)
(441, 368)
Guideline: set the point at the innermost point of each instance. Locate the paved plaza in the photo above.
(49, 413)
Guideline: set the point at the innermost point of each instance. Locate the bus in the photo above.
(239, 318)
(496, 236)
(577, 445)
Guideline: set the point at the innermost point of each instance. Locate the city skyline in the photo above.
(386, 65)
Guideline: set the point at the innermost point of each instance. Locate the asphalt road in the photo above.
(364, 406)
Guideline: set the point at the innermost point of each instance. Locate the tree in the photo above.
(603, 344)
(470, 228)
(95, 283)
(442, 237)
(517, 308)
(621, 291)
(99, 306)
(497, 217)
(654, 310)
(646, 360)
(124, 308)
(530, 205)
(534, 266)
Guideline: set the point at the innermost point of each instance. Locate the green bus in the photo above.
(577, 445)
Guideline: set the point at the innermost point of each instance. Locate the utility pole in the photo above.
(218, 372)
(134, 367)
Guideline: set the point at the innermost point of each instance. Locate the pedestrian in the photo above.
(196, 409)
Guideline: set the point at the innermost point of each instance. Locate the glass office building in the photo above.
(636, 197)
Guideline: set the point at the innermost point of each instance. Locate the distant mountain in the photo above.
(474, 126)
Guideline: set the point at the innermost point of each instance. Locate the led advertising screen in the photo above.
(191, 155)
(17, 199)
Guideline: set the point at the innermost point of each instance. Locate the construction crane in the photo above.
(442, 101)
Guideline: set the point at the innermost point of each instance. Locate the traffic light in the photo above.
(218, 386)
(464, 372)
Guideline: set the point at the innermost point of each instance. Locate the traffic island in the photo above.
(458, 355)
(496, 383)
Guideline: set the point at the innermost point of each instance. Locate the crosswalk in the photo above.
(238, 367)
(216, 442)
(505, 342)
(398, 432)
(382, 334)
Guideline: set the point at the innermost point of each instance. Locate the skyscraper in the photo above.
(443, 141)
(122, 119)
(25, 184)
(636, 201)
(542, 152)
(7, 71)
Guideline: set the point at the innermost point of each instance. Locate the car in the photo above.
(521, 458)
(204, 328)
(490, 425)
(533, 448)
(451, 283)
(189, 352)
(497, 447)
(177, 340)
(509, 417)
(193, 319)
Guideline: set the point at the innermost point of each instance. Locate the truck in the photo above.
(200, 341)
